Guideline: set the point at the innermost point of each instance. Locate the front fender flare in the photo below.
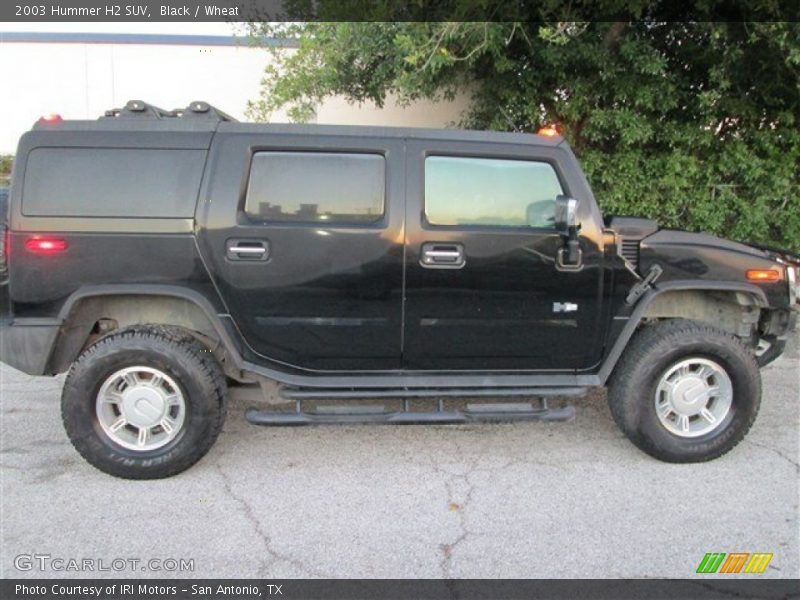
(637, 315)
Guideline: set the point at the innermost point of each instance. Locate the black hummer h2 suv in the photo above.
(158, 255)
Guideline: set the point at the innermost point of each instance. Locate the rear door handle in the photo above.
(440, 255)
(240, 249)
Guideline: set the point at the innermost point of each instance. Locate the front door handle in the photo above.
(440, 255)
(240, 249)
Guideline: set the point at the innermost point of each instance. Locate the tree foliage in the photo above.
(6, 160)
(695, 124)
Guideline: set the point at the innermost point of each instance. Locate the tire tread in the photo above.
(177, 342)
(668, 334)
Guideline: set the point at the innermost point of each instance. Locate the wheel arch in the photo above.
(697, 300)
(92, 312)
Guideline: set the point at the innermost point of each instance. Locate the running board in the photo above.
(291, 393)
(330, 415)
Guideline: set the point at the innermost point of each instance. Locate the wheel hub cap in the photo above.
(143, 407)
(693, 397)
(688, 395)
(140, 408)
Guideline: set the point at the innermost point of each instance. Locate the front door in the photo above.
(483, 287)
(303, 235)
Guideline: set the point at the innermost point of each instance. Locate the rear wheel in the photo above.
(685, 391)
(144, 403)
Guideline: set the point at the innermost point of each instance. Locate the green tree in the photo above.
(695, 124)
(6, 160)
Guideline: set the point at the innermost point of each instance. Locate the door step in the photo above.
(331, 415)
(293, 393)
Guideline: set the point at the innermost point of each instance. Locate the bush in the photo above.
(694, 124)
(6, 160)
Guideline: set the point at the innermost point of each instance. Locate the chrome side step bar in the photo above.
(330, 415)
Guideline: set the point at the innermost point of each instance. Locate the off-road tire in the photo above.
(651, 352)
(172, 351)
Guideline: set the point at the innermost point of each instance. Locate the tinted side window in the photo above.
(488, 191)
(112, 182)
(316, 187)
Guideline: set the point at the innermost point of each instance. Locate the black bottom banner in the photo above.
(372, 589)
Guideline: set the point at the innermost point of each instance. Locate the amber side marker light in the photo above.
(45, 245)
(763, 275)
(549, 131)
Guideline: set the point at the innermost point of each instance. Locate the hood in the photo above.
(706, 240)
(787, 256)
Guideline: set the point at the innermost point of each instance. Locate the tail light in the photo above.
(50, 119)
(46, 245)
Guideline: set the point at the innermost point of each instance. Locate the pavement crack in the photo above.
(448, 549)
(13, 467)
(780, 453)
(250, 515)
(458, 504)
(455, 482)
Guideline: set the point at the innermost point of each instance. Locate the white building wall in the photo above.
(81, 80)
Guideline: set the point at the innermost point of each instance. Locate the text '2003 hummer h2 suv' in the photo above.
(156, 255)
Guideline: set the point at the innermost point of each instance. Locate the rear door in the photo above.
(484, 291)
(303, 234)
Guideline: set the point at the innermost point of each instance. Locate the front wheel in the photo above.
(685, 391)
(144, 403)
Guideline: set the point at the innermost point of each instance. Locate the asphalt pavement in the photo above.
(525, 500)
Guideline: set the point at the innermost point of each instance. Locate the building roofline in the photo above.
(36, 37)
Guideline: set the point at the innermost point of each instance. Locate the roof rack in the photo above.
(138, 109)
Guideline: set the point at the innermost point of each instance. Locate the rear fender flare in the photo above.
(72, 336)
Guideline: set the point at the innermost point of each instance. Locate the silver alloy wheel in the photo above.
(140, 408)
(693, 397)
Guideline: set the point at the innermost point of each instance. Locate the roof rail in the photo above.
(137, 109)
(200, 109)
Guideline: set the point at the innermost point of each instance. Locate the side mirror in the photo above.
(566, 214)
(570, 256)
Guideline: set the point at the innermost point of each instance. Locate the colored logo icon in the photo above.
(735, 562)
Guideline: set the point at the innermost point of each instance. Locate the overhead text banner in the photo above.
(139, 10)
(398, 10)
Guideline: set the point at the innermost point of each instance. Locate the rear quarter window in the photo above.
(112, 182)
